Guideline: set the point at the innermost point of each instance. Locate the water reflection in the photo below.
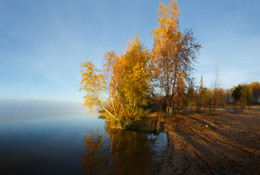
(43, 145)
(122, 152)
(96, 158)
(47, 140)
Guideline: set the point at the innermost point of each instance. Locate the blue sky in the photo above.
(43, 43)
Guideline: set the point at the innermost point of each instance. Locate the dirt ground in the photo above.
(220, 143)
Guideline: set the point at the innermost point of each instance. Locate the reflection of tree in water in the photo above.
(125, 152)
(132, 152)
(96, 157)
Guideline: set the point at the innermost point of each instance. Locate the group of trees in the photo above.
(199, 97)
(138, 79)
(246, 94)
(134, 78)
(126, 78)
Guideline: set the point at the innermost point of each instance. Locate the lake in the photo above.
(57, 141)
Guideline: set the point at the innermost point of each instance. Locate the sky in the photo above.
(43, 43)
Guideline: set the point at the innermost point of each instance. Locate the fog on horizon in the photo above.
(32, 109)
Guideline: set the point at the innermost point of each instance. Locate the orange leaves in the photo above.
(173, 53)
(128, 76)
(166, 37)
(93, 83)
(137, 76)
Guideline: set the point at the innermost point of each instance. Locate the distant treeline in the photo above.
(198, 97)
(138, 80)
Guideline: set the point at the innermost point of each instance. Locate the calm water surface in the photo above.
(63, 144)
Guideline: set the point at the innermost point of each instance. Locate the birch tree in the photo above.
(94, 85)
(174, 53)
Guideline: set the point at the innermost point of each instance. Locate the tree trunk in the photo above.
(108, 112)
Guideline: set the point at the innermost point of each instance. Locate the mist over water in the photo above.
(48, 137)
(35, 109)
